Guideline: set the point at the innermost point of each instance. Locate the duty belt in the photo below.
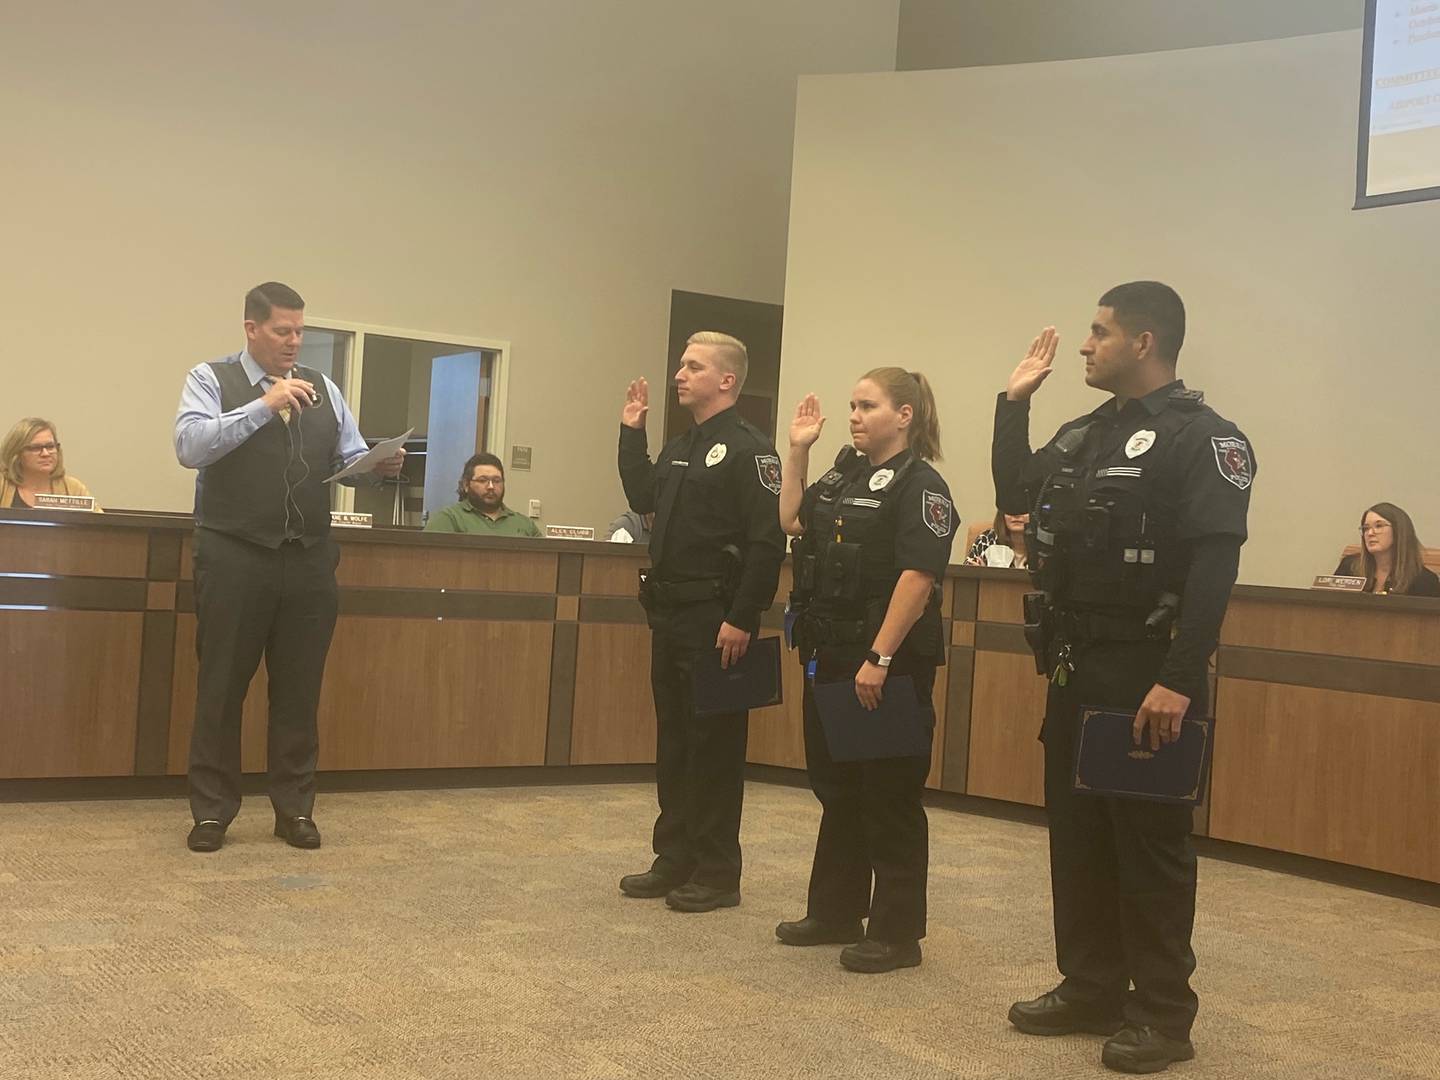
(1083, 627)
(823, 631)
(654, 592)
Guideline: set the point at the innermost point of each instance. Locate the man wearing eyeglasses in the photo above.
(482, 508)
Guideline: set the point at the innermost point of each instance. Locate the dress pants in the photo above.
(699, 760)
(1122, 871)
(253, 601)
(873, 827)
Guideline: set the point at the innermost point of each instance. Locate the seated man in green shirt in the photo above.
(482, 508)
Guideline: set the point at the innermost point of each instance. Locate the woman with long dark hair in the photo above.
(1391, 558)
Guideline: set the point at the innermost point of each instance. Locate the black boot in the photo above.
(809, 931)
(1141, 1049)
(1050, 1014)
(873, 957)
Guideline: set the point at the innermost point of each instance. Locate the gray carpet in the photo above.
(479, 933)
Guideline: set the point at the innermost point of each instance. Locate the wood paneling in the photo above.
(1404, 636)
(1006, 759)
(1000, 601)
(777, 734)
(1349, 777)
(426, 694)
(70, 684)
(394, 565)
(69, 549)
(612, 575)
(962, 634)
(940, 699)
(614, 716)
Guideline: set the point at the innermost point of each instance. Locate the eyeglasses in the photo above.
(1379, 526)
(42, 448)
(488, 481)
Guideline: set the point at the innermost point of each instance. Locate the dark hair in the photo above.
(470, 466)
(1150, 305)
(1407, 557)
(272, 294)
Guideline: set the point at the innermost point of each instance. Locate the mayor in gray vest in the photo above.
(263, 434)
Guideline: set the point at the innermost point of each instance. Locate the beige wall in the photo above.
(939, 219)
(962, 33)
(538, 172)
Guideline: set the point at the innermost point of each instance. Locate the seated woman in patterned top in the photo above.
(1391, 558)
(1003, 544)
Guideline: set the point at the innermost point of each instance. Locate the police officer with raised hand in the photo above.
(1138, 512)
(874, 536)
(715, 550)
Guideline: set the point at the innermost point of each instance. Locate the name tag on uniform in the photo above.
(1338, 583)
(48, 501)
(347, 520)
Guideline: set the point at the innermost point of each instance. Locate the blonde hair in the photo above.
(735, 357)
(19, 438)
(912, 388)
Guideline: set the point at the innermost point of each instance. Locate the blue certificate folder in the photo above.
(753, 683)
(896, 728)
(1107, 761)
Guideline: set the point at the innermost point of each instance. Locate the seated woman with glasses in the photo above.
(1003, 544)
(1391, 557)
(31, 464)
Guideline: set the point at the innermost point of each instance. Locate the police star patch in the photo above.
(937, 513)
(768, 466)
(1232, 458)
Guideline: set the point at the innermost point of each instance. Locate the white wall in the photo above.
(535, 171)
(939, 219)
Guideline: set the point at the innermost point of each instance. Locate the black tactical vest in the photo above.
(271, 487)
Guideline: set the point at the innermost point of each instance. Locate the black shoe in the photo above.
(873, 957)
(646, 886)
(693, 897)
(297, 831)
(1141, 1049)
(808, 931)
(1050, 1014)
(206, 836)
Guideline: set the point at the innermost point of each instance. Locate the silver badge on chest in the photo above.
(716, 455)
(1139, 443)
(881, 479)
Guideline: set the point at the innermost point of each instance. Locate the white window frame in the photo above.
(355, 375)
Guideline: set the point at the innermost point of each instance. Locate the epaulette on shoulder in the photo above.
(1185, 398)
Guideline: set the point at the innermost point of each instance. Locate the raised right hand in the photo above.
(637, 405)
(806, 426)
(288, 394)
(1035, 368)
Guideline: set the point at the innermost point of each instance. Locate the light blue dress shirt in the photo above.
(204, 434)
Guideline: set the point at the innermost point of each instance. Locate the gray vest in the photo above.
(271, 487)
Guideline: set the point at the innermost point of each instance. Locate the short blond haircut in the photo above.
(733, 353)
(19, 438)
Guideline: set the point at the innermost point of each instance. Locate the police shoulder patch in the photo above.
(1232, 458)
(768, 466)
(937, 512)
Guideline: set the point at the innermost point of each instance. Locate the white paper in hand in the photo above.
(385, 448)
(999, 555)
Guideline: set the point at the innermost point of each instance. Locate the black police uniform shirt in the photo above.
(916, 531)
(1192, 470)
(725, 476)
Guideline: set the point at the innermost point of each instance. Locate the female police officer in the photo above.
(874, 540)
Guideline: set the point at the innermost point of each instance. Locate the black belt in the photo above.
(679, 593)
(823, 631)
(1082, 627)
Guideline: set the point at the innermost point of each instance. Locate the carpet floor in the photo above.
(480, 933)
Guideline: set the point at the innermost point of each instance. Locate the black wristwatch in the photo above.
(875, 658)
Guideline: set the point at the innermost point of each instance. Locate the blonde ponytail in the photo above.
(912, 388)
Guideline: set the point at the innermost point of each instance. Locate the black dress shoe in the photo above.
(873, 957)
(1141, 1049)
(206, 836)
(693, 897)
(646, 886)
(1050, 1014)
(808, 931)
(297, 831)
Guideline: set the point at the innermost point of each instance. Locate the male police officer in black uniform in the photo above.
(1137, 516)
(716, 550)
